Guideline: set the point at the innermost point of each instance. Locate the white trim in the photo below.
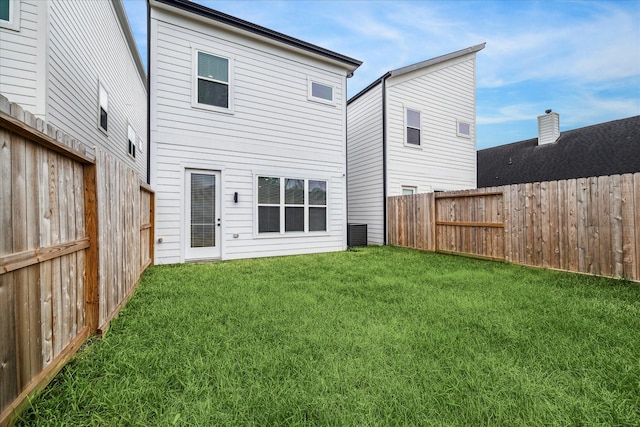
(418, 110)
(14, 16)
(194, 81)
(310, 97)
(460, 134)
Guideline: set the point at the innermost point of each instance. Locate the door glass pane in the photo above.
(268, 190)
(294, 191)
(317, 219)
(294, 219)
(268, 219)
(317, 192)
(203, 198)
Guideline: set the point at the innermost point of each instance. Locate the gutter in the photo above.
(149, 94)
(383, 79)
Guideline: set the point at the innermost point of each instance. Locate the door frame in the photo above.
(210, 252)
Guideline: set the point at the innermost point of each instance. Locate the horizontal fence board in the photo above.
(585, 225)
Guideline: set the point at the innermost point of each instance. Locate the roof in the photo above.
(419, 66)
(609, 148)
(232, 21)
(128, 35)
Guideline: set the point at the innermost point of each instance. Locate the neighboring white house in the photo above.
(248, 130)
(411, 131)
(75, 65)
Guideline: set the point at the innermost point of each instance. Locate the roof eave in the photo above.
(437, 60)
(128, 35)
(202, 11)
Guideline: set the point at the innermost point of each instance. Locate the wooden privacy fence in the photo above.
(75, 235)
(585, 225)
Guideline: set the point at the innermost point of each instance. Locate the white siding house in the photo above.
(411, 131)
(75, 65)
(248, 130)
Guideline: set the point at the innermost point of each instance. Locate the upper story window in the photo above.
(464, 129)
(321, 92)
(10, 14)
(103, 108)
(131, 137)
(413, 128)
(213, 85)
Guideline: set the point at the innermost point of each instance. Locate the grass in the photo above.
(378, 336)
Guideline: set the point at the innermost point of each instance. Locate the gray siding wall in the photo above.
(274, 131)
(22, 58)
(364, 160)
(86, 46)
(443, 93)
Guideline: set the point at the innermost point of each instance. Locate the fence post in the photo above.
(91, 292)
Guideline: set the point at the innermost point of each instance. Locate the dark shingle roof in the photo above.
(604, 149)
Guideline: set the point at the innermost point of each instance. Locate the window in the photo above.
(103, 108)
(464, 129)
(213, 81)
(10, 14)
(408, 190)
(131, 137)
(320, 92)
(287, 205)
(413, 127)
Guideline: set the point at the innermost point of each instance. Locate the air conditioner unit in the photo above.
(356, 235)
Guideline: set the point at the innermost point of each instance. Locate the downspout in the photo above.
(148, 93)
(384, 157)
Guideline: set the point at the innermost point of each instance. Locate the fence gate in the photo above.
(470, 223)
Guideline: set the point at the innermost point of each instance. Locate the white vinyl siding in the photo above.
(22, 56)
(445, 93)
(87, 45)
(364, 156)
(274, 132)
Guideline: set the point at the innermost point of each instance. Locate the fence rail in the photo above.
(55, 196)
(586, 225)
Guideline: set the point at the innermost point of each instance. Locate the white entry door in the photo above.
(203, 222)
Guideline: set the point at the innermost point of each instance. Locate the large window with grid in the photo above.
(291, 205)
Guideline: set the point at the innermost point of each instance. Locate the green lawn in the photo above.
(373, 337)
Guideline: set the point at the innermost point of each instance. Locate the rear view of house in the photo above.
(410, 131)
(75, 65)
(247, 136)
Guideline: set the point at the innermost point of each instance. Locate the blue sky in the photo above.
(580, 58)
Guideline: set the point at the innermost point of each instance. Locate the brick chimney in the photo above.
(548, 128)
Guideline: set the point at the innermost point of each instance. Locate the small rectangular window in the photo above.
(413, 127)
(213, 80)
(408, 190)
(10, 14)
(131, 137)
(464, 129)
(321, 92)
(103, 106)
(5, 10)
